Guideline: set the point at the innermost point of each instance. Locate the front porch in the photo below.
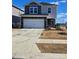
(50, 23)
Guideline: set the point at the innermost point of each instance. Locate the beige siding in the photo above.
(45, 10)
(16, 11)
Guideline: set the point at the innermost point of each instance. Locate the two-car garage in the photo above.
(33, 23)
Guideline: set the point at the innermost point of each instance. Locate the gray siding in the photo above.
(16, 16)
(30, 5)
(43, 9)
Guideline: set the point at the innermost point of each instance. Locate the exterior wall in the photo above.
(16, 17)
(30, 5)
(45, 10)
(26, 9)
(16, 11)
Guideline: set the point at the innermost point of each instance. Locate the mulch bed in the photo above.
(52, 48)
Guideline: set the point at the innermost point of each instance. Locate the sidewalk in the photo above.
(54, 41)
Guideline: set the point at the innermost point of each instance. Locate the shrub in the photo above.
(58, 27)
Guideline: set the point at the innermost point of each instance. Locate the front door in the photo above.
(50, 23)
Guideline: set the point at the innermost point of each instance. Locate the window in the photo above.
(49, 10)
(33, 10)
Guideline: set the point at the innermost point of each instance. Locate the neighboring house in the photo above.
(39, 15)
(16, 16)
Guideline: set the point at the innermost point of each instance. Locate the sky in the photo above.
(61, 9)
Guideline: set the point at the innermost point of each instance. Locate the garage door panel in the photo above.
(33, 23)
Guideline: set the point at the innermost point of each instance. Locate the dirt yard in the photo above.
(52, 48)
(54, 34)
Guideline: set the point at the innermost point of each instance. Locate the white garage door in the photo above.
(33, 23)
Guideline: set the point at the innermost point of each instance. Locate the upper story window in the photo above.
(49, 10)
(33, 10)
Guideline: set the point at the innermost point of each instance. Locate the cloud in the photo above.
(61, 18)
(57, 3)
(61, 15)
(63, 1)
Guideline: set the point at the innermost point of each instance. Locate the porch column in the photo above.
(45, 23)
(53, 22)
(21, 22)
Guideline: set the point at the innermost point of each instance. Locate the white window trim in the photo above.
(33, 10)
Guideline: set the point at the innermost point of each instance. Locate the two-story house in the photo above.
(39, 15)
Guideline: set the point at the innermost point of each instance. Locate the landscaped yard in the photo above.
(52, 48)
(54, 34)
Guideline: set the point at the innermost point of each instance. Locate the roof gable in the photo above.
(33, 3)
(41, 3)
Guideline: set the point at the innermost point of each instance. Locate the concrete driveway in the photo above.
(24, 45)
